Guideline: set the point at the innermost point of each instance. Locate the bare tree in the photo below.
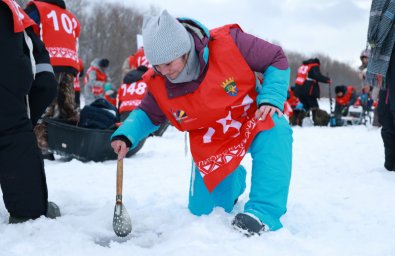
(78, 7)
(110, 31)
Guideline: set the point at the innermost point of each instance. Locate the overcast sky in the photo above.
(336, 28)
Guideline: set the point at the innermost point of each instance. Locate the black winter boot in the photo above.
(248, 224)
(389, 166)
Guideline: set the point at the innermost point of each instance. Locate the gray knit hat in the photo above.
(165, 38)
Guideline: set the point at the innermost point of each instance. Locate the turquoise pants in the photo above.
(271, 153)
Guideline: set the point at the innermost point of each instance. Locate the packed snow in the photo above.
(341, 202)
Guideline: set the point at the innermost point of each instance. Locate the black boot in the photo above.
(248, 224)
(389, 166)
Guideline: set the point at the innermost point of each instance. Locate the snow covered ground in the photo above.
(341, 202)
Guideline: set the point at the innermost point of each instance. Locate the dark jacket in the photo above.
(16, 77)
(311, 86)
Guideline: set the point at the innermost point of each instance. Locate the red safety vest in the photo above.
(59, 31)
(219, 115)
(345, 99)
(303, 71)
(100, 76)
(130, 95)
(293, 100)
(138, 59)
(21, 19)
(288, 111)
(77, 86)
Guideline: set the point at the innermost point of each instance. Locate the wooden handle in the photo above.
(119, 176)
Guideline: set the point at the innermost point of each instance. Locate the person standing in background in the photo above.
(381, 71)
(307, 87)
(364, 57)
(368, 93)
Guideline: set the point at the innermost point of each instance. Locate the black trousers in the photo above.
(386, 111)
(22, 176)
(307, 94)
(387, 120)
(309, 102)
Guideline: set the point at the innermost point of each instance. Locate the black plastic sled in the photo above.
(84, 144)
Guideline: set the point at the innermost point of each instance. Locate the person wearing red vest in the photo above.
(77, 87)
(97, 82)
(59, 29)
(204, 82)
(345, 97)
(25, 66)
(307, 88)
(134, 61)
(131, 92)
(292, 99)
(298, 113)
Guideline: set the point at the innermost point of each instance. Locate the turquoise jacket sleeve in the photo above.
(136, 127)
(273, 91)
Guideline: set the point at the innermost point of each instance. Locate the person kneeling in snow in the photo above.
(204, 82)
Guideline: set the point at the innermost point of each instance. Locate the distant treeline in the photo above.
(109, 30)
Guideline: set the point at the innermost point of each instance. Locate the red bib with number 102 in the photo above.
(59, 31)
(219, 115)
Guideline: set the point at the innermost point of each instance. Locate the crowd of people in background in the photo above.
(163, 82)
(304, 94)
